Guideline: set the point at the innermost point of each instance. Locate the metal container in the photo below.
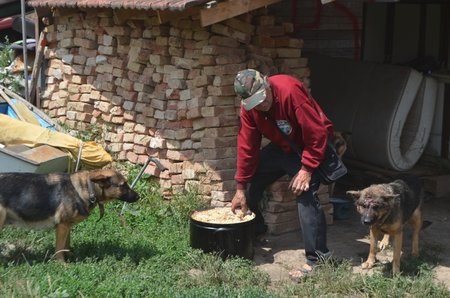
(342, 208)
(226, 240)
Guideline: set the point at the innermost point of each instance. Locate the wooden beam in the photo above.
(231, 8)
(165, 16)
(121, 16)
(37, 67)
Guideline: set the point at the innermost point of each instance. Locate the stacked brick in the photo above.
(280, 207)
(163, 89)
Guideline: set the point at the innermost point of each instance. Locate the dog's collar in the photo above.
(92, 197)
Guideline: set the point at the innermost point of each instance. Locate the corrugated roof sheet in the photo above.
(117, 4)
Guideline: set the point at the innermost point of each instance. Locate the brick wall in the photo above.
(163, 89)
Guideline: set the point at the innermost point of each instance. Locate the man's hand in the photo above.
(239, 200)
(300, 182)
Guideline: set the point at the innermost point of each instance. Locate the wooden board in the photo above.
(231, 8)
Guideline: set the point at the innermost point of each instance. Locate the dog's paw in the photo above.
(382, 245)
(367, 265)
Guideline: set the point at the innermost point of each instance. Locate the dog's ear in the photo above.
(388, 197)
(101, 179)
(354, 194)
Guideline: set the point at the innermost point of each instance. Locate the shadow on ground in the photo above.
(348, 239)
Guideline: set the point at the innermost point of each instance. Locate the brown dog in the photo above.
(58, 200)
(386, 208)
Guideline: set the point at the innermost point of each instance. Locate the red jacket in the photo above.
(296, 113)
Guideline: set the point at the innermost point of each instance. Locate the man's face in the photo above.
(267, 103)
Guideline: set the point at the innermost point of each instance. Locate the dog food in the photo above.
(221, 215)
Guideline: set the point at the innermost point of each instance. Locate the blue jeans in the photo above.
(274, 163)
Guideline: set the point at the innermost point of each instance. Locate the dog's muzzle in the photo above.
(368, 220)
(130, 197)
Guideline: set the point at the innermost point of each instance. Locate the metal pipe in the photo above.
(24, 47)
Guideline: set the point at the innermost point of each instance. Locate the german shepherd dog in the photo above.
(58, 200)
(386, 208)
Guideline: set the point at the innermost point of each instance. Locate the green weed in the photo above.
(7, 79)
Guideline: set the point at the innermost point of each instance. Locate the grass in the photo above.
(146, 253)
(336, 279)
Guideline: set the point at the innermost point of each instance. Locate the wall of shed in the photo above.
(167, 87)
(332, 29)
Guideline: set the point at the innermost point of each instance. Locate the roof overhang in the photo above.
(218, 11)
(211, 12)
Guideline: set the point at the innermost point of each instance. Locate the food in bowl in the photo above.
(221, 215)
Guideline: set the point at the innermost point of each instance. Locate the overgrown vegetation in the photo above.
(7, 79)
(94, 132)
(147, 254)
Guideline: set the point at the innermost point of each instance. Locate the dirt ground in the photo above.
(349, 239)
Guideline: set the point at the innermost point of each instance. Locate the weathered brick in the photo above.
(129, 126)
(218, 132)
(180, 155)
(104, 68)
(230, 32)
(103, 106)
(117, 119)
(129, 115)
(85, 43)
(117, 110)
(217, 111)
(89, 53)
(117, 30)
(132, 157)
(218, 153)
(142, 139)
(157, 143)
(184, 62)
(67, 43)
(207, 60)
(221, 91)
(201, 35)
(225, 80)
(288, 53)
(218, 50)
(223, 41)
(195, 113)
(240, 25)
(230, 59)
(219, 142)
(140, 128)
(222, 196)
(220, 164)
